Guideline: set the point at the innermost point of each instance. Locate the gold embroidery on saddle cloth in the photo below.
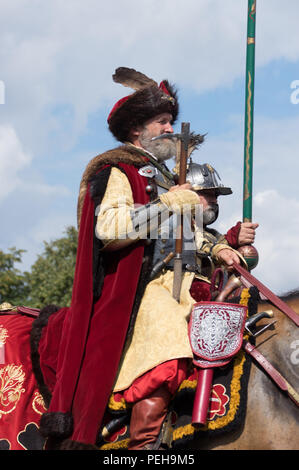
(234, 403)
(11, 381)
(38, 404)
(189, 429)
(117, 405)
(6, 307)
(3, 335)
(116, 445)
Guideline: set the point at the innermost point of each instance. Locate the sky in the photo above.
(56, 91)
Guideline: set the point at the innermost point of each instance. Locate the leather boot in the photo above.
(147, 419)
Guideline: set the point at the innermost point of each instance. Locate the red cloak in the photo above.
(93, 334)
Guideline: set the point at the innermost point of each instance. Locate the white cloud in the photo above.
(277, 239)
(13, 159)
(277, 31)
(38, 189)
(57, 59)
(275, 194)
(57, 55)
(275, 154)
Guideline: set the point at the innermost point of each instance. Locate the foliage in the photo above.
(14, 287)
(50, 280)
(51, 276)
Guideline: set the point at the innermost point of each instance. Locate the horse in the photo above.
(272, 418)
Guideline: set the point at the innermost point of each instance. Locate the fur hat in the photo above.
(148, 100)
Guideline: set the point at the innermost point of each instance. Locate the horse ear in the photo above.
(132, 79)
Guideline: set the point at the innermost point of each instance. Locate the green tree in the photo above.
(14, 287)
(52, 274)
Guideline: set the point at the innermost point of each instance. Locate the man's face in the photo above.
(208, 199)
(159, 125)
(163, 149)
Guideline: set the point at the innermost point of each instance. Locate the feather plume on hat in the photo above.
(132, 79)
(148, 100)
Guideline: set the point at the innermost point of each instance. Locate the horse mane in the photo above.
(293, 294)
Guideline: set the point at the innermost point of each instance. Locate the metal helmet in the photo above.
(202, 177)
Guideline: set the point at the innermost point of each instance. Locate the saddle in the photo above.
(8, 309)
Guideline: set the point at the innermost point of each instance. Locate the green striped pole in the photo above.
(249, 252)
(249, 115)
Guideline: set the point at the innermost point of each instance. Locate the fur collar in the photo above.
(122, 154)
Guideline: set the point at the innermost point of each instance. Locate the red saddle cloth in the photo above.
(21, 404)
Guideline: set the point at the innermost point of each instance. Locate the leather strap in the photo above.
(268, 294)
(271, 371)
(33, 312)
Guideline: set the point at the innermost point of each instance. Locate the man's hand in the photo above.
(247, 233)
(228, 257)
(180, 198)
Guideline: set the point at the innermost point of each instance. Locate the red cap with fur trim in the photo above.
(149, 100)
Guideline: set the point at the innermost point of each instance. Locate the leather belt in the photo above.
(271, 371)
(268, 294)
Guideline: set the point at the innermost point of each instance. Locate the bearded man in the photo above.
(123, 332)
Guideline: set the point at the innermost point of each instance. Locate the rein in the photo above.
(267, 367)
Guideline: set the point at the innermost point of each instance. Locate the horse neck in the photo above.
(280, 343)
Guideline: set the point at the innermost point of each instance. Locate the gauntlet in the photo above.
(176, 200)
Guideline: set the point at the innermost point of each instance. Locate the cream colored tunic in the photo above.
(161, 328)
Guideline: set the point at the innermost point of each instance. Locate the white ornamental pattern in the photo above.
(216, 330)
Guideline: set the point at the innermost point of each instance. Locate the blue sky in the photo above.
(57, 59)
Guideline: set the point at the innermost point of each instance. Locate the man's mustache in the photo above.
(210, 214)
(173, 137)
(214, 206)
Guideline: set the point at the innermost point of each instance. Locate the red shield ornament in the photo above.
(216, 336)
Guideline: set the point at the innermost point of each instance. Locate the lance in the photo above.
(249, 252)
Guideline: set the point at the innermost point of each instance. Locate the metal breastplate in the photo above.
(165, 236)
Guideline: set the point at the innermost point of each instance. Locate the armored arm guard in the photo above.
(119, 223)
(209, 242)
(147, 219)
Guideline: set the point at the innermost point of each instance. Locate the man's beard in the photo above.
(162, 149)
(210, 214)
